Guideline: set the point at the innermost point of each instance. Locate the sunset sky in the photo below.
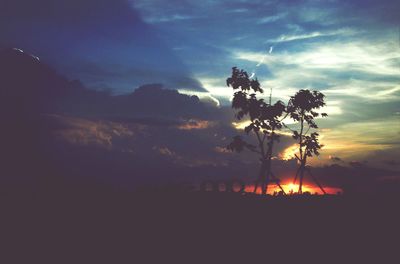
(349, 50)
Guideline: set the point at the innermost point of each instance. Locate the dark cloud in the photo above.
(99, 42)
(63, 132)
(391, 162)
(58, 127)
(68, 11)
(335, 159)
(150, 135)
(359, 179)
(28, 80)
(358, 164)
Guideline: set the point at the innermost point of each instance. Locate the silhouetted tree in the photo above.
(264, 121)
(302, 108)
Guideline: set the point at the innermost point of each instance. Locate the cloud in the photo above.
(359, 178)
(359, 82)
(309, 25)
(273, 18)
(286, 38)
(341, 56)
(139, 151)
(335, 159)
(86, 40)
(164, 151)
(352, 67)
(357, 164)
(166, 19)
(238, 10)
(391, 162)
(222, 150)
(97, 133)
(347, 50)
(195, 124)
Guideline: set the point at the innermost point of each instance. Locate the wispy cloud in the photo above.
(342, 49)
(238, 10)
(375, 58)
(171, 18)
(358, 139)
(315, 34)
(269, 19)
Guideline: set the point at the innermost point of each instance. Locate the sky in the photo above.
(349, 50)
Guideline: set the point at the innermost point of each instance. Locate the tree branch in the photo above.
(301, 136)
(254, 150)
(284, 117)
(260, 143)
(265, 135)
(307, 131)
(287, 127)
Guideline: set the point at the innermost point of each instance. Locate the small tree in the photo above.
(263, 122)
(302, 108)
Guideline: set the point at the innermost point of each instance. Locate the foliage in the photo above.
(264, 117)
(264, 121)
(238, 144)
(303, 104)
(302, 109)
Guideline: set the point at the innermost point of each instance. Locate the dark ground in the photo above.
(112, 226)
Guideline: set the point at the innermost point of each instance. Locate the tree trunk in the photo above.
(268, 163)
(267, 181)
(261, 177)
(265, 171)
(302, 170)
(301, 179)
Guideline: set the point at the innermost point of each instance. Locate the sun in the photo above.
(292, 187)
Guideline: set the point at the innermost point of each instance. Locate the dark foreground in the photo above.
(192, 227)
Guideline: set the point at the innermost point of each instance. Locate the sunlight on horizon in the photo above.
(292, 188)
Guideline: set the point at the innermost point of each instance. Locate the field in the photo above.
(92, 226)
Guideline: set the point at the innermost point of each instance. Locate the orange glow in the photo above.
(293, 188)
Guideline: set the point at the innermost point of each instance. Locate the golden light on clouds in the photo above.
(80, 131)
(195, 124)
(223, 150)
(359, 139)
(240, 125)
(289, 152)
(165, 151)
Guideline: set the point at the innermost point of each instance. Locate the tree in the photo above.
(302, 109)
(264, 121)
